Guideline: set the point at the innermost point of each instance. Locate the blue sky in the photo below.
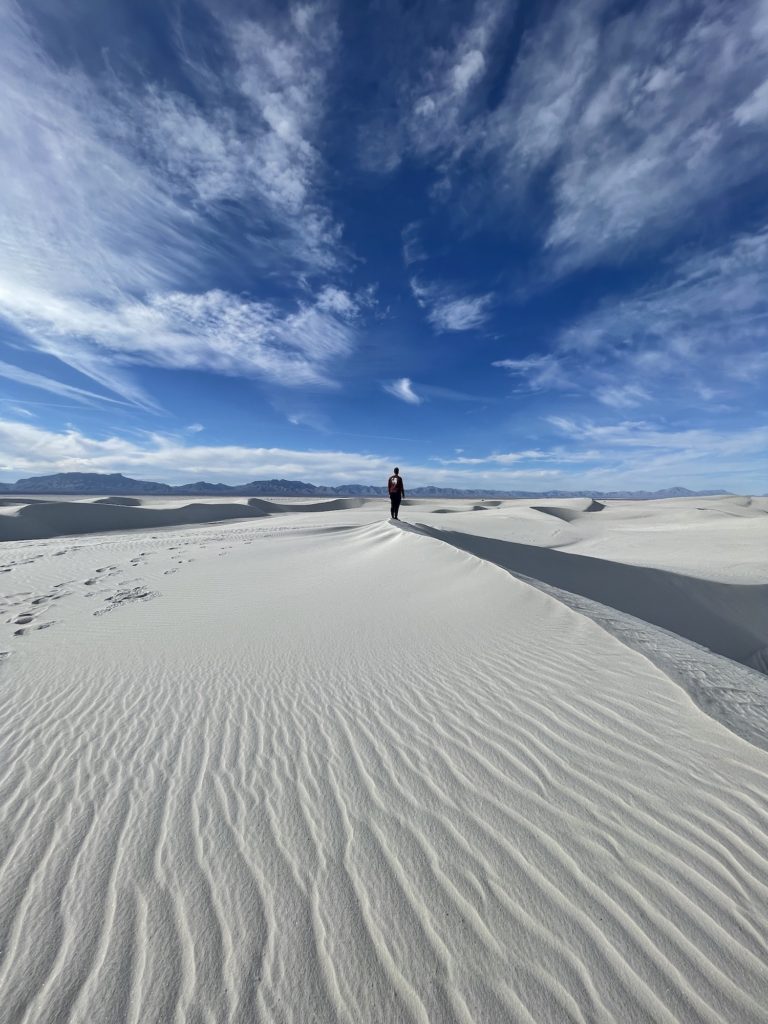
(515, 245)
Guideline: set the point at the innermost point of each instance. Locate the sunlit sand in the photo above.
(497, 762)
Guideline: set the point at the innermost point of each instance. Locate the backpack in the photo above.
(394, 485)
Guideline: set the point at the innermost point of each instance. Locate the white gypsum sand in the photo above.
(327, 768)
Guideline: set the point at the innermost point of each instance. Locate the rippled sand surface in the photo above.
(328, 768)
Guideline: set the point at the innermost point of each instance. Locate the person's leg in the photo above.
(393, 506)
(396, 506)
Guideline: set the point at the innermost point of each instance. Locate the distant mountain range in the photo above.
(117, 484)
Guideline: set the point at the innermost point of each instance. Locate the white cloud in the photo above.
(253, 138)
(557, 454)
(444, 97)
(26, 450)
(78, 214)
(413, 249)
(631, 455)
(629, 119)
(540, 372)
(640, 453)
(403, 389)
(447, 311)
(709, 321)
(464, 314)
(640, 143)
(695, 443)
(38, 380)
(214, 331)
(432, 77)
(754, 109)
(29, 449)
(623, 396)
(111, 196)
(308, 418)
(195, 428)
(701, 331)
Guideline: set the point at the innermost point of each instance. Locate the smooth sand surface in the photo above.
(325, 767)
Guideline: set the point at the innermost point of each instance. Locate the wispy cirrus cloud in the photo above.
(40, 381)
(449, 311)
(214, 331)
(538, 372)
(603, 111)
(631, 454)
(431, 67)
(113, 192)
(640, 452)
(622, 396)
(696, 442)
(558, 454)
(702, 328)
(403, 389)
(413, 247)
(253, 137)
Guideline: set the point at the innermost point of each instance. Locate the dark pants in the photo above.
(395, 499)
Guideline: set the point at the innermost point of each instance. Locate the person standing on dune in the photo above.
(396, 492)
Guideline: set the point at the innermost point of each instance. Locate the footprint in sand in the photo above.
(30, 629)
(126, 596)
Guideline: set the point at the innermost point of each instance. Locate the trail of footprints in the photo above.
(27, 612)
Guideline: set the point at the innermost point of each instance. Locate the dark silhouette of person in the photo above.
(396, 492)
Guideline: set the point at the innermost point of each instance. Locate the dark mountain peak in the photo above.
(118, 484)
(88, 483)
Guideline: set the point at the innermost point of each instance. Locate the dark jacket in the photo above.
(395, 485)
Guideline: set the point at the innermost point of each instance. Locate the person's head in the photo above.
(397, 470)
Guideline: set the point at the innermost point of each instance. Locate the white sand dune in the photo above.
(572, 513)
(326, 505)
(328, 768)
(38, 520)
(731, 619)
(120, 499)
(58, 518)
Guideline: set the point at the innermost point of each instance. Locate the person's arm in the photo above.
(402, 488)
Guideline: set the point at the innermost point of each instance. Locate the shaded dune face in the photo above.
(38, 520)
(62, 518)
(274, 783)
(330, 505)
(727, 618)
(570, 514)
(120, 499)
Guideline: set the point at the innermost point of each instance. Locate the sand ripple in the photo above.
(368, 777)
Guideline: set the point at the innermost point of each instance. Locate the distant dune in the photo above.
(39, 519)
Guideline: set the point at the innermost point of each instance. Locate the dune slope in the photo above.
(360, 776)
(730, 619)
